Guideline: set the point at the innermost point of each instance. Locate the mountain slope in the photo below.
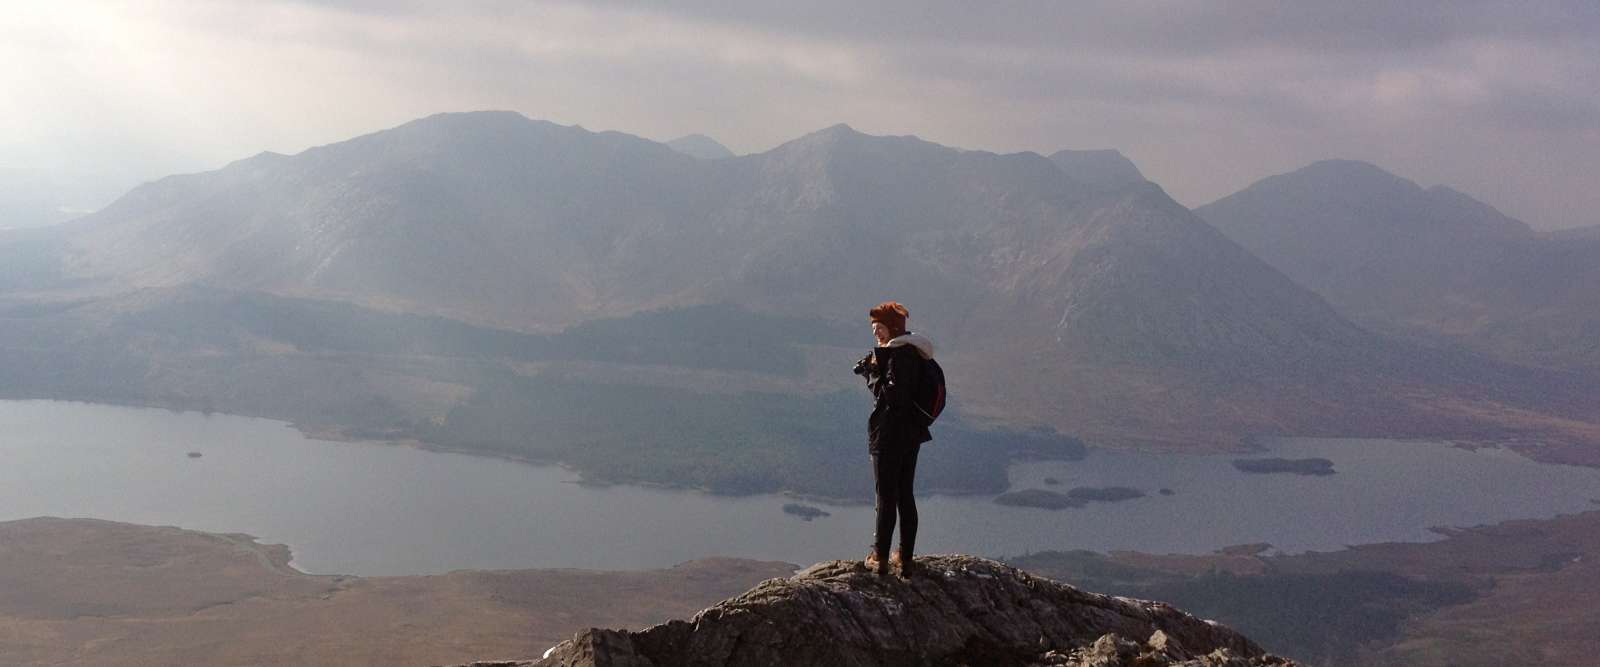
(1590, 232)
(472, 215)
(1104, 169)
(1349, 230)
(837, 218)
(1431, 263)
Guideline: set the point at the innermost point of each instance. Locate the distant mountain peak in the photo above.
(1372, 196)
(960, 610)
(264, 159)
(841, 135)
(700, 146)
(1345, 164)
(457, 120)
(489, 125)
(1110, 153)
(1396, 256)
(1353, 178)
(1105, 169)
(480, 115)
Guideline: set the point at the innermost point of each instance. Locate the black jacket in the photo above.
(896, 423)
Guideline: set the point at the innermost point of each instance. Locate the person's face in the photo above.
(880, 332)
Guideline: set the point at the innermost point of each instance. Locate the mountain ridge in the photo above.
(1107, 169)
(1589, 232)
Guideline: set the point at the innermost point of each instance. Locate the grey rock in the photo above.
(1164, 643)
(958, 610)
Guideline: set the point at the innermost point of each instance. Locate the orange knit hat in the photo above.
(892, 315)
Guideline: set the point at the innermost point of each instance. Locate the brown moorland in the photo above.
(83, 591)
(91, 592)
(1534, 592)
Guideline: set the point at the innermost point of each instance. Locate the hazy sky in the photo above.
(1501, 100)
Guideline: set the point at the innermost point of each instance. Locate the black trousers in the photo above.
(894, 471)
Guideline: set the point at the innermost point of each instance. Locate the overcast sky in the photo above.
(1500, 100)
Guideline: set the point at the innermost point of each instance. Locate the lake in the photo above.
(379, 509)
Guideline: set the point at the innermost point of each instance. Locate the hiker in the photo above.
(895, 431)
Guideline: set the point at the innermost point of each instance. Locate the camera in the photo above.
(864, 366)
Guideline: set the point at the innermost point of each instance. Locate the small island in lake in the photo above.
(1039, 498)
(1077, 497)
(1107, 494)
(194, 455)
(1166, 491)
(1311, 466)
(805, 512)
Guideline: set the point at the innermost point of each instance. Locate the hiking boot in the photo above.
(906, 566)
(874, 563)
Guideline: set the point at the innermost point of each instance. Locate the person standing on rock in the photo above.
(895, 431)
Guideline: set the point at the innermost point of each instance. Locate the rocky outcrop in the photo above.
(954, 610)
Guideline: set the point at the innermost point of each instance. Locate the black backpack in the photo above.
(930, 394)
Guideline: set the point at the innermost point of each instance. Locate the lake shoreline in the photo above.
(381, 507)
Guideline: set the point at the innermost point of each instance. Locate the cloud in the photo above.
(1205, 96)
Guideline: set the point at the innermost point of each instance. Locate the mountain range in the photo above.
(1066, 291)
